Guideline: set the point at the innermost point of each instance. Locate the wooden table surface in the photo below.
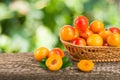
(22, 66)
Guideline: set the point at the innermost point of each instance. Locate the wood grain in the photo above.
(22, 66)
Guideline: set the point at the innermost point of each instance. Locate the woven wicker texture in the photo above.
(95, 53)
(24, 67)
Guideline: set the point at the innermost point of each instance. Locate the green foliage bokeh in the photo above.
(28, 24)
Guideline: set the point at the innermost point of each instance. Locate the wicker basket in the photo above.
(95, 53)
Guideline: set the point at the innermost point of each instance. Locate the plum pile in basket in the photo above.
(93, 34)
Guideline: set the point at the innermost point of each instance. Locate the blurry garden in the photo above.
(28, 24)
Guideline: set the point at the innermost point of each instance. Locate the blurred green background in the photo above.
(28, 24)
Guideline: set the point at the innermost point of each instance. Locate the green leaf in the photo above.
(66, 65)
(44, 60)
(43, 65)
(65, 60)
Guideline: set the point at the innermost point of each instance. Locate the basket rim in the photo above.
(68, 43)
